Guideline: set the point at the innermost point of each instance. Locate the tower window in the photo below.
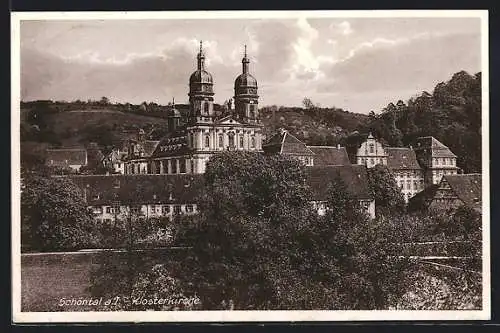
(182, 165)
(206, 108)
(372, 148)
(252, 111)
(252, 142)
(207, 141)
(174, 165)
(221, 140)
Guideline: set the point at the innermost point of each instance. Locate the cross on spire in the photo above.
(173, 101)
(201, 46)
(245, 50)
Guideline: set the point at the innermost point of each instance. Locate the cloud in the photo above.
(349, 63)
(388, 65)
(344, 28)
(275, 48)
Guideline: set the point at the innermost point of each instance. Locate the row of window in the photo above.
(230, 139)
(158, 209)
(306, 160)
(409, 174)
(444, 161)
(373, 160)
(417, 185)
(440, 173)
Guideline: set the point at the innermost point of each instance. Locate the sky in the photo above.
(358, 64)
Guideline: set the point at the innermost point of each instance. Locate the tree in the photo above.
(53, 214)
(258, 244)
(104, 100)
(307, 103)
(388, 197)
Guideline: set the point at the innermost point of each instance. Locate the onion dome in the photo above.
(245, 79)
(201, 75)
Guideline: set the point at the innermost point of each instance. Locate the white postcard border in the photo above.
(239, 316)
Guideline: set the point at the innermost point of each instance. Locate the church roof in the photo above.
(285, 143)
(173, 144)
(139, 189)
(329, 155)
(467, 187)
(401, 158)
(201, 76)
(355, 178)
(245, 80)
(66, 156)
(149, 147)
(437, 148)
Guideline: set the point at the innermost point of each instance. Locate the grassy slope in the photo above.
(72, 125)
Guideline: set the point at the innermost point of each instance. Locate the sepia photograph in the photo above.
(250, 166)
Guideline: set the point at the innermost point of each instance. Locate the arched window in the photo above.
(206, 108)
(372, 148)
(241, 141)
(221, 140)
(182, 165)
(231, 139)
(252, 142)
(252, 111)
(207, 141)
(174, 165)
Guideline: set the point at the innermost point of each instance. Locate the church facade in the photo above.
(186, 148)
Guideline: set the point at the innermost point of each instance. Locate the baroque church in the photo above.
(188, 146)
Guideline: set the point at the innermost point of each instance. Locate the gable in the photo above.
(228, 120)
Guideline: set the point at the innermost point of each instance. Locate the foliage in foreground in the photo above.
(260, 245)
(54, 215)
(440, 288)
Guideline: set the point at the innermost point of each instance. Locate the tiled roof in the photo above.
(467, 188)
(173, 144)
(149, 147)
(438, 149)
(401, 158)
(66, 157)
(285, 143)
(355, 178)
(329, 155)
(422, 199)
(129, 189)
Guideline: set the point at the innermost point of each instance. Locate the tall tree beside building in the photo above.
(54, 215)
(260, 245)
(387, 194)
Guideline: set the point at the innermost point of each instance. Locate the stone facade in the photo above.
(413, 169)
(187, 148)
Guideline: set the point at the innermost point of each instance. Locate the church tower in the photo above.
(246, 99)
(201, 93)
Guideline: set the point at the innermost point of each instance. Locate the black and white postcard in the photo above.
(250, 166)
